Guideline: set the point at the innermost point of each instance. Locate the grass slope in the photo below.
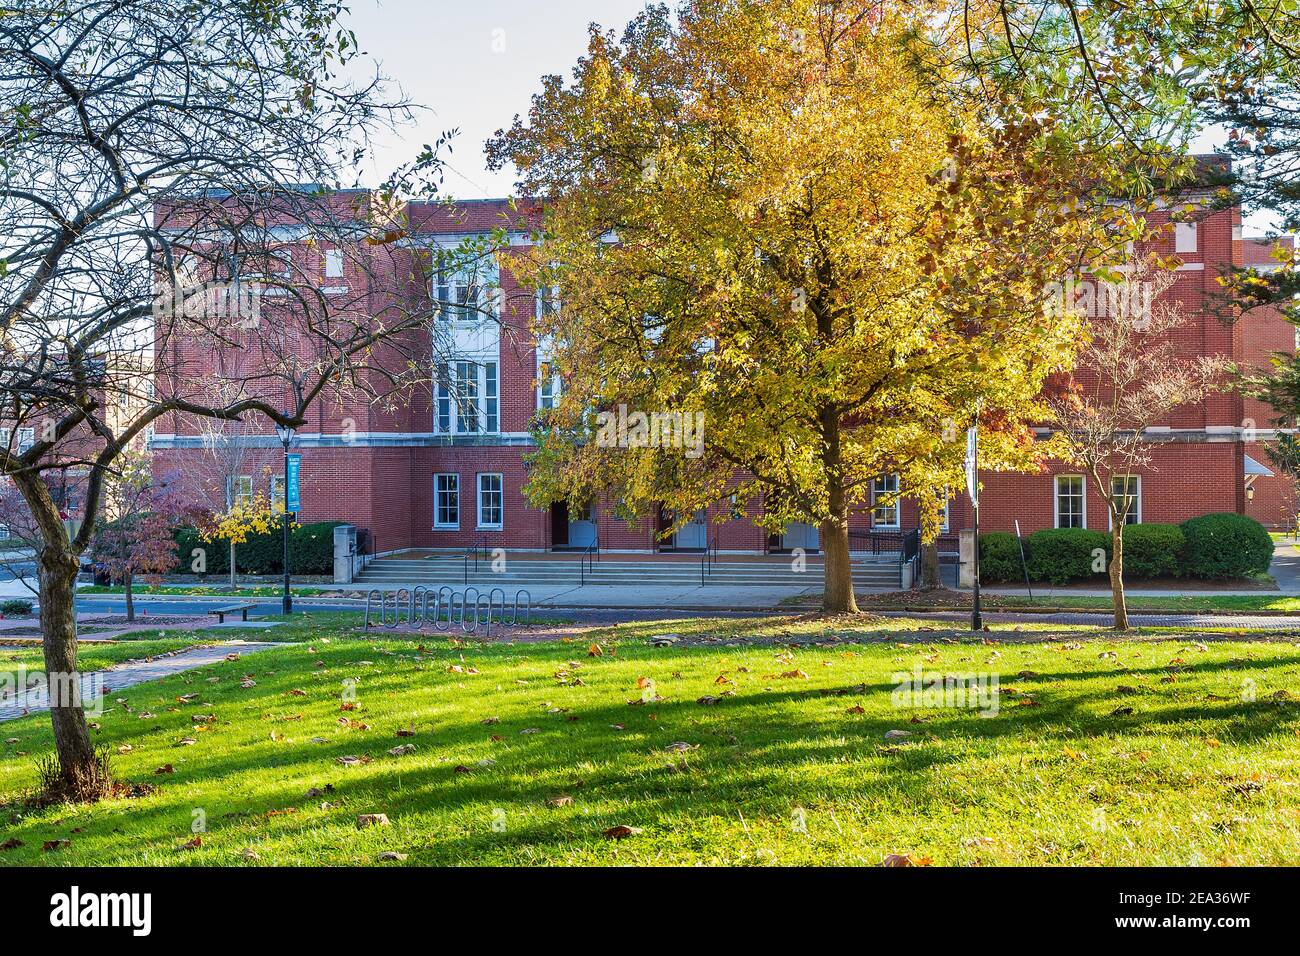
(788, 770)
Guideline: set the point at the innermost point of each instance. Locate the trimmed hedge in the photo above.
(1000, 557)
(311, 551)
(1153, 550)
(1226, 546)
(1061, 555)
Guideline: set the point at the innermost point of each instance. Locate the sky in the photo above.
(474, 64)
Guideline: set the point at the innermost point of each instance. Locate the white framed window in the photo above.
(464, 291)
(491, 502)
(1185, 237)
(1071, 505)
(885, 514)
(7, 434)
(548, 301)
(549, 385)
(334, 263)
(277, 492)
(469, 398)
(239, 490)
(947, 504)
(446, 501)
(1126, 492)
(26, 439)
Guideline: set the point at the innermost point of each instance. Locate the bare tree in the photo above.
(152, 162)
(1128, 377)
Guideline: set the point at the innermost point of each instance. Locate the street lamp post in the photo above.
(286, 437)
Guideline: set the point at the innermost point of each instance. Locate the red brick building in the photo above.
(426, 474)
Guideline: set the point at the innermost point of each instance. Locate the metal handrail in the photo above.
(480, 544)
(590, 555)
(708, 558)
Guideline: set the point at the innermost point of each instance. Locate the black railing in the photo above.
(587, 560)
(708, 558)
(479, 545)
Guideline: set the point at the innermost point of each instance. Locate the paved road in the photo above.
(126, 674)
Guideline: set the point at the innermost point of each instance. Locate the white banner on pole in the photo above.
(972, 479)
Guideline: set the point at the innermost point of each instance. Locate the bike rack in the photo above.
(471, 609)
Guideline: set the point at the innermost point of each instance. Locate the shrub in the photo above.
(15, 606)
(1000, 557)
(311, 551)
(1226, 546)
(1153, 550)
(1060, 555)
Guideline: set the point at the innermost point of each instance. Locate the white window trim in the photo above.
(1056, 499)
(1136, 512)
(544, 366)
(441, 526)
(480, 399)
(236, 498)
(485, 277)
(478, 511)
(333, 264)
(1184, 231)
(897, 506)
(546, 294)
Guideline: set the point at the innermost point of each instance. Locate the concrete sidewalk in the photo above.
(129, 674)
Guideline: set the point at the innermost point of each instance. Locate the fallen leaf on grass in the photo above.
(403, 750)
(681, 746)
(12, 843)
(366, 820)
(563, 800)
(621, 832)
(165, 768)
(186, 742)
(391, 856)
(50, 845)
(897, 734)
(406, 731)
(352, 761)
(905, 859)
(191, 845)
(1121, 712)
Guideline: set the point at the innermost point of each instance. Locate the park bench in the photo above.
(240, 609)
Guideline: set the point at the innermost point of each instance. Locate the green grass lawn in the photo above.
(526, 753)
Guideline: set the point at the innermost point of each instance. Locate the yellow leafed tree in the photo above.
(771, 215)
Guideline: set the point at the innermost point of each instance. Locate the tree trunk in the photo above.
(930, 566)
(130, 599)
(1117, 576)
(837, 595)
(78, 772)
